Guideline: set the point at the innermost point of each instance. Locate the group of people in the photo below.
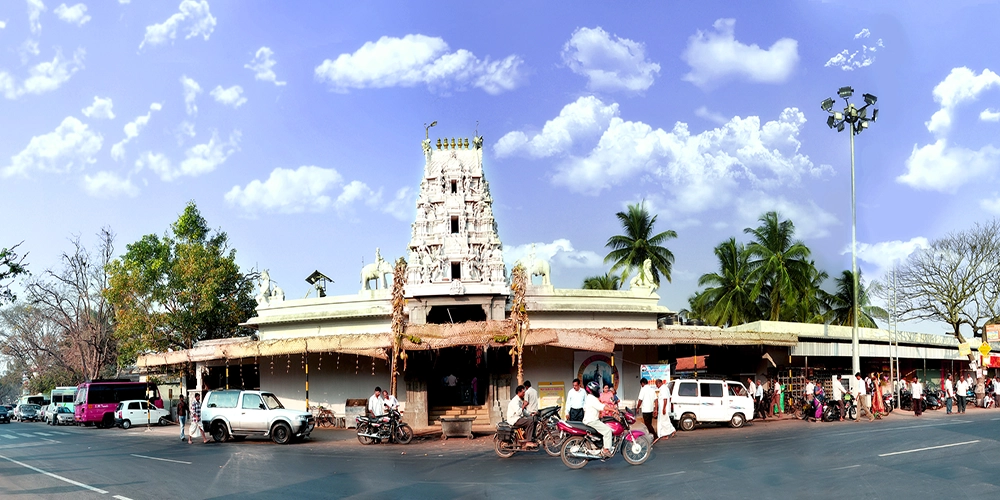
(965, 389)
(380, 403)
(767, 394)
(655, 401)
(190, 412)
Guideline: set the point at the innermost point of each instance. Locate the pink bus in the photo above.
(95, 401)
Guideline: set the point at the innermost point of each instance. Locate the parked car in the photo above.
(4, 415)
(709, 400)
(61, 416)
(26, 413)
(238, 414)
(43, 413)
(140, 412)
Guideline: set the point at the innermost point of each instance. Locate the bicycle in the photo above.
(324, 416)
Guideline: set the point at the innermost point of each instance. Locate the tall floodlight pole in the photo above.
(856, 119)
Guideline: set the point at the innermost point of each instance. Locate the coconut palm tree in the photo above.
(606, 282)
(778, 262)
(630, 250)
(812, 302)
(729, 299)
(842, 304)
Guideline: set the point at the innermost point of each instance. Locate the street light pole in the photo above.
(856, 119)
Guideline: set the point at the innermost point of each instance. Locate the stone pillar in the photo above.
(416, 403)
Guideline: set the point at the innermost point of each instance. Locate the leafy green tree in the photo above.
(729, 299)
(630, 250)
(607, 281)
(778, 263)
(172, 291)
(842, 303)
(11, 266)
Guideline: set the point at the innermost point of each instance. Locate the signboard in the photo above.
(655, 372)
(551, 394)
(994, 361)
(984, 349)
(992, 333)
(963, 349)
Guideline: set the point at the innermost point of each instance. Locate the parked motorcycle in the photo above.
(933, 400)
(389, 427)
(547, 431)
(507, 441)
(585, 443)
(889, 401)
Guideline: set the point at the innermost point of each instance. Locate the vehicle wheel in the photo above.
(636, 451)
(325, 422)
(503, 448)
(575, 444)
(737, 421)
(687, 422)
(852, 413)
(553, 444)
(219, 432)
(364, 429)
(281, 433)
(404, 434)
(164, 421)
(108, 421)
(126, 424)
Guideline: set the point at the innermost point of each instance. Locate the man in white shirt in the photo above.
(838, 395)
(575, 398)
(516, 416)
(864, 403)
(949, 394)
(664, 427)
(376, 406)
(530, 397)
(647, 405)
(917, 392)
(810, 389)
(962, 390)
(390, 401)
(758, 399)
(592, 407)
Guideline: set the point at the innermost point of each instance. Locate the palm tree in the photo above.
(630, 250)
(812, 302)
(842, 304)
(729, 299)
(606, 282)
(779, 261)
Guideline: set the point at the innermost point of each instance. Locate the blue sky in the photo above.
(296, 126)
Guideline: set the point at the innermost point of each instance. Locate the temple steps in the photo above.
(480, 413)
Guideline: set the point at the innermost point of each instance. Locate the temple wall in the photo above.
(330, 385)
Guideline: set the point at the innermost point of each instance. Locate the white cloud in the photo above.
(123, 2)
(43, 77)
(810, 220)
(232, 97)
(71, 146)
(560, 253)
(100, 109)
(583, 119)
(712, 116)
(132, 130)
(191, 90)
(193, 15)
(942, 167)
(991, 205)
(885, 253)
(357, 191)
(960, 86)
(262, 65)
(418, 59)
(199, 159)
(718, 56)
(27, 50)
(850, 61)
(76, 14)
(989, 115)
(611, 65)
(3, 24)
(106, 184)
(403, 205)
(35, 9)
(305, 189)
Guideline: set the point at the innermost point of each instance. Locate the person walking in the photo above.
(196, 420)
(962, 391)
(574, 402)
(949, 394)
(530, 397)
(878, 404)
(917, 391)
(776, 399)
(861, 396)
(647, 405)
(664, 427)
(182, 412)
(759, 400)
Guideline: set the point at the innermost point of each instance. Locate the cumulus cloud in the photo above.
(717, 56)
(191, 89)
(609, 64)
(106, 184)
(991, 205)
(262, 65)
(3, 24)
(193, 16)
(885, 253)
(100, 109)
(960, 86)
(989, 115)
(35, 9)
(850, 61)
(199, 159)
(76, 14)
(43, 77)
(415, 60)
(71, 146)
(132, 130)
(232, 97)
(586, 118)
(559, 253)
(402, 206)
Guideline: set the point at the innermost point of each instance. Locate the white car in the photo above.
(709, 400)
(139, 412)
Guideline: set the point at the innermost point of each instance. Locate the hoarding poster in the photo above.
(551, 394)
(599, 366)
(993, 333)
(655, 372)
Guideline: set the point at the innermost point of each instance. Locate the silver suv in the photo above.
(238, 414)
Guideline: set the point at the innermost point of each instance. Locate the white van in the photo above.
(709, 400)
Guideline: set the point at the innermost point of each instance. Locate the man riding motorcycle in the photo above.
(518, 419)
(592, 407)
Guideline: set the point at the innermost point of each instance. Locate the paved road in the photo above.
(932, 456)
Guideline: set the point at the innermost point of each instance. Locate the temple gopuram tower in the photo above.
(456, 271)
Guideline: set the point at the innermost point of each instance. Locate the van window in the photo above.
(711, 390)
(688, 389)
(251, 402)
(224, 399)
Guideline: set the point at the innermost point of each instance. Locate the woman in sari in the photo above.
(878, 404)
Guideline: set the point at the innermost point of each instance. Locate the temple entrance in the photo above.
(456, 314)
(458, 376)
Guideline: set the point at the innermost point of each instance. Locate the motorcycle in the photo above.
(933, 400)
(889, 401)
(389, 427)
(547, 431)
(507, 441)
(584, 443)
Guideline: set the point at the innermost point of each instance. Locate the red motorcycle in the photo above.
(584, 443)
